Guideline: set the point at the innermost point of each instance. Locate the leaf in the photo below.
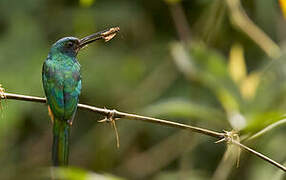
(262, 120)
(231, 106)
(183, 60)
(249, 85)
(227, 100)
(283, 7)
(236, 66)
(86, 3)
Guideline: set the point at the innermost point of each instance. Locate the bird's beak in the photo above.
(107, 35)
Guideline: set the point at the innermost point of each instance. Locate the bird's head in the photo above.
(67, 45)
(71, 45)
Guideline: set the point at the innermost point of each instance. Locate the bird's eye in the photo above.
(70, 44)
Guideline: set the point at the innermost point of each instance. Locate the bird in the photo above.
(61, 80)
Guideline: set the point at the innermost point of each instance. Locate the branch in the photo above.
(231, 137)
(115, 115)
(267, 129)
(265, 158)
(118, 115)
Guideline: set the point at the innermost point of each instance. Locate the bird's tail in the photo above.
(60, 151)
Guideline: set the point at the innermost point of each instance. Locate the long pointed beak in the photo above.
(107, 35)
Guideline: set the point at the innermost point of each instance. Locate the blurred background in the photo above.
(217, 64)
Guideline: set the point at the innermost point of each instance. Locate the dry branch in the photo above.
(116, 115)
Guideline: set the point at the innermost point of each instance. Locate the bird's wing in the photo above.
(72, 88)
(53, 89)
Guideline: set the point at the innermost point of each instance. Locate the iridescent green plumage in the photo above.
(62, 85)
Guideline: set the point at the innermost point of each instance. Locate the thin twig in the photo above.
(230, 137)
(267, 129)
(117, 115)
(280, 166)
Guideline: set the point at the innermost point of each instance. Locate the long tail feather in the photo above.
(60, 151)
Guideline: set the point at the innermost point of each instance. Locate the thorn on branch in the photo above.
(2, 92)
(111, 118)
(2, 95)
(229, 138)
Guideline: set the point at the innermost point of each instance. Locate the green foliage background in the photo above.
(212, 75)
